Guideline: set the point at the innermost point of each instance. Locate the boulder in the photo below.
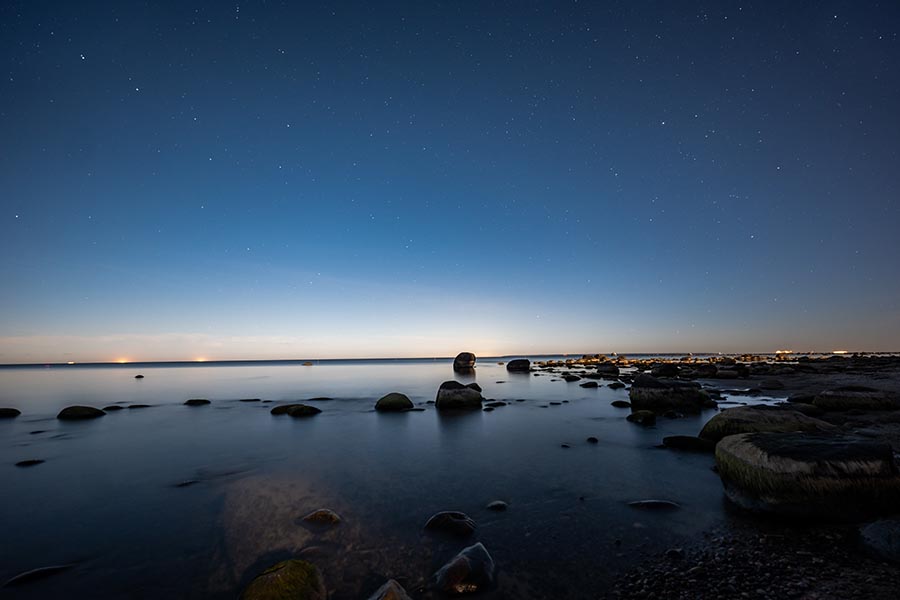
(197, 402)
(759, 418)
(855, 397)
(453, 395)
(620, 404)
(393, 402)
(689, 443)
(608, 369)
(290, 579)
(665, 370)
(452, 522)
(464, 362)
(9, 413)
(642, 417)
(883, 539)
(571, 378)
(660, 395)
(470, 571)
(588, 384)
(616, 385)
(303, 410)
(519, 364)
(824, 475)
(391, 590)
(79, 413)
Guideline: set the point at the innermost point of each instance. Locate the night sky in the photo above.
(184, 180)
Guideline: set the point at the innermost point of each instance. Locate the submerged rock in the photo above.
(130, 406)
(196, 402)
(689, 443)
(660, 395)
(464, 362)
(113, 408)
(453, 395)
(616, 385)
(9, 413)
(588, 384)
(759, 418)
(323, 516)
(295, 410)
(31, 462)
(289, 579)
(809, 474)
(78, 413)
(393, 402)
(571, 378)
(620, 403)
(497, 505)
(452, 522)
(642, 417)
(470, 571)
(391, 590)
(519, 364)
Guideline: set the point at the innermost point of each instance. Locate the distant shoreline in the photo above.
(314, 361)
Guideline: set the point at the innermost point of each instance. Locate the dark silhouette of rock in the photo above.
(79, 413)
(642, 417)
(759, 418)
(391, 590)
(9, 413)
(464, 362)
(393, 402)
(197, 402)
(519, 365)
(453, 395)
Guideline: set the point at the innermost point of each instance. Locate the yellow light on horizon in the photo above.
(200, 359)
(840, 352)
(122, 361)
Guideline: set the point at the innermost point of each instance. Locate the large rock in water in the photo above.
(390, 591)
(288, 580)
(393, 402)
(519, 365)
(464, 362)
(661, 395)
(470, 571)
(823, 475)
(9, 413)
(608, 369)
(79, 413)
(851, 397)
(757, 419)
(452, 395)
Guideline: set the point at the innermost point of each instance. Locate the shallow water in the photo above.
(106, 500)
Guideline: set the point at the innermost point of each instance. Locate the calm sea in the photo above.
(108, 501)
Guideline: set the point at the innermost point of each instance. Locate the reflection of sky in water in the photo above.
(106, 494)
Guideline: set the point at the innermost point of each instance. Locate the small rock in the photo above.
(29, 463)
(620, 403)
(323, 516)
(654, 504)
(497, 505)
(138, 376)
(452, 522)
(249, 400)
(593, 440)
(464, 362)
(391, 590)
(9, 413)
(564, 446)
(130, 406)
(197, 402)
(112, 408)
(642, 417)
(470, 571)
(589, 384)
(393, 402)
(79, 413)
(303, 410)
(616, 385)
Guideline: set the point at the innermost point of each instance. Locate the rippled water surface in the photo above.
(108, 501)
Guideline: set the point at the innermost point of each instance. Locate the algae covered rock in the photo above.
(470, 571)
(287, 580)
(759, 418)
(391, 590)
(79, 413)
(817, 474)
(453, 395)
(661, 395)
(393, 402)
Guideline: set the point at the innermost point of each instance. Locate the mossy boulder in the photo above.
(391, 590)
(824, 475)
(393, 402)
(470, 571)
(9, 413)
(453, 395)
(288, 580)
(79, 413)
(661, 395)
(855, 397)
(759, 418)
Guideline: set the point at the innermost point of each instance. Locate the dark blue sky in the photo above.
(262, 180)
